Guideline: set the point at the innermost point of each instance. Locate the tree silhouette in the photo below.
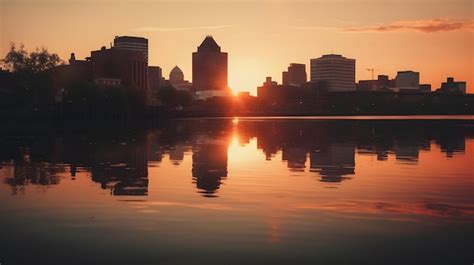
(18, 60)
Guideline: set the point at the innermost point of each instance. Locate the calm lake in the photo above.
(367, 190)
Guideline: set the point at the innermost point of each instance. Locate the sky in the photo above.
(434, 37)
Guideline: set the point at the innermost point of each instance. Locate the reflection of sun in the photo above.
(235, 121)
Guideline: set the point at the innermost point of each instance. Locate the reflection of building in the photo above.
(210, 70)
(295, 76)
(333, 162)
(209, 165)
(452, 144)
(407, 149)
(334, 72)
(123, 168)
(296, 158)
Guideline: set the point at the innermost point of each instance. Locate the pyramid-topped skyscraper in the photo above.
(210, 70)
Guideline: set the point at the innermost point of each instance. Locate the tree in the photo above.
(20, 61)
(172, 97)
(32, 82)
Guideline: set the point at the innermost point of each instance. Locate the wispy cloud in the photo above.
(427, 26)
(151, 29)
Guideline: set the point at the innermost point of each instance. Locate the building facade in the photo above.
(210, 70)
(407, 80)
(132, 44)
(177, 79)
(129, 68)
(295, 76)
(451, 86)
(334, 72)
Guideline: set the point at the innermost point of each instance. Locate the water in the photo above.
(241, 191)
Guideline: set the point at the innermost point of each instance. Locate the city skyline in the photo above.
(261, 44)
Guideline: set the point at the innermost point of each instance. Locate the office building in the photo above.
(333, 72)
(177, 80)
(295, 76)
(451, 86)
(155, 82)
(176, 76)
(210, 70)
(132, 44)
(382, 82)
(407, 80)
(74, 73)
(129, 68)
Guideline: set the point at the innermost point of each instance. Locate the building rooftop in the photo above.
(176, 69)
(131, 38)
(332, 56)
(209, 45)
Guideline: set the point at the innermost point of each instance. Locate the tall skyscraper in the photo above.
(210, 70)
(295, 76)
(132, 43)
(334, 72)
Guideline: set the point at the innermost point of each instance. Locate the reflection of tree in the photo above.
(26, 171)
(122, 166)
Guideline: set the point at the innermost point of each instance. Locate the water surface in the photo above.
(241, 191)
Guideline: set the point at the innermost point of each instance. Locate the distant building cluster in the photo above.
(336, 73)
(125, 64)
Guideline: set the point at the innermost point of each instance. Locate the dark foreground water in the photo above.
(240, 191)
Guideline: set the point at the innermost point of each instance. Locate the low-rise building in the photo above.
(451, 86)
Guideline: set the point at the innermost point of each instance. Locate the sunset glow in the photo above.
(261, 37)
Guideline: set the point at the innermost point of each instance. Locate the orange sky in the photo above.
(434, 37)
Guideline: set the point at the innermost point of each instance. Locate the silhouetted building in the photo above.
(407, 81)
(155, 82)
(264, 90)
(74, 73)
(176, 75)
(132, 44)
(282, 96)
(334, 72)
(177, 79)
(129, 68)
(382, 82)
(210, 70)
(155, 77)
(425, 88)
(450, 86)
(295, 76)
